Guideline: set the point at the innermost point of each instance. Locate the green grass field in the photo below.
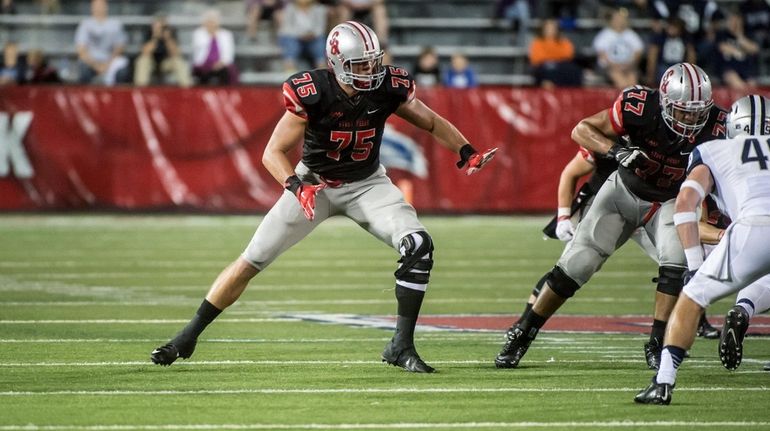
(86, 298)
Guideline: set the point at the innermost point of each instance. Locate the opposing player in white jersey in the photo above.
(736, 171)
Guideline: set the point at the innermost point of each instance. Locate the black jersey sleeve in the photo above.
(634, 107)
(399, 84)
(300, 92)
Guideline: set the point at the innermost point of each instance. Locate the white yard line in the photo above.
(325, 391)
(141, 321)
(402, 425)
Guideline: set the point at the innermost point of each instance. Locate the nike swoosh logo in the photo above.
(372, 111)
(685, 153)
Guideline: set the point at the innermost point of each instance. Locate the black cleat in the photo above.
(406, 358)
(731, 341)
(516, 345)
(767, 367)
(167, 354)
(652, 351)
(656, 393)
(705, 330)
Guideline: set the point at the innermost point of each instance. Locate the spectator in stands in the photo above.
(161, 55)
(262, 10)
(738, 55)
(38, 69)
(7, 7)
(701, 17)
(518, 14)
(12, 70)
(460, 74)
(371, 12)
(756, 21)
(551, 56)
(214, 52)
(100, 41)
(673, 45)
(49, 7)
(618, 50)
(303, 34)
(426, 71)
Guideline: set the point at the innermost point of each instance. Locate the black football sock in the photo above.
(535, 293)
(531, 323)
(409, 303)
(658, 331)
(206, 313)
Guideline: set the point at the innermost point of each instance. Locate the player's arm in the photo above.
(286, 136)
(420, 115)
(709, 234)
(573, 171)
(688, 200)
(595, 133)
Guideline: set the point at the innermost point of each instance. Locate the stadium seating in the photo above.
(451, 26)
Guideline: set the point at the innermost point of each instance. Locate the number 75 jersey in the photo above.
(343, 134)
(636, 114)
(741, 170)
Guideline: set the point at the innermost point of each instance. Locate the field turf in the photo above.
(85, 298)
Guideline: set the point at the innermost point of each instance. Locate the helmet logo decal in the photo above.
(334, 43)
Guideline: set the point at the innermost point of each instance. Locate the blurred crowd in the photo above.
(725, 41)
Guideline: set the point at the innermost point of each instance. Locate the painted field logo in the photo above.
(13, 129)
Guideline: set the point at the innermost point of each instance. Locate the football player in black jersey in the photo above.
(662, 128)
(339, 114)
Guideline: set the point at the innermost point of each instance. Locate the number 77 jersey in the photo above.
(344, 133)
(636, 114)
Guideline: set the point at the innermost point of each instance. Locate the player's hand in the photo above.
(564, 229)
(475, 161)
(306, 195)
(688, 275)
(628, 157)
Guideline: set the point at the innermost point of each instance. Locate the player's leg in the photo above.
(739, 260)
(751, 300)
(671, 268)
(283, 226)
(383, 212)
(597, 236)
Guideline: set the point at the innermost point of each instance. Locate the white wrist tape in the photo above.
(695, 186)
(685, 217)
(563, 211)
(694, 257)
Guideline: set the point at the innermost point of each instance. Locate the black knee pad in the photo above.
(561, 284)
(670, 280)
(416, 261)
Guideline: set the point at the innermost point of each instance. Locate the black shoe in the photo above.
(406, 358)
(516, 345)
(731, 341)
(705, 330)
(167, 354)
(767, 367)
(656, 393)
(652, 351)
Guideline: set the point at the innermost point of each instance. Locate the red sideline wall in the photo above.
(167, 148)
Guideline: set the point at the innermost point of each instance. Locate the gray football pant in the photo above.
(613, 217)
(374, 203)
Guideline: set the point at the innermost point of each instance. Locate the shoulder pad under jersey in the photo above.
(399, 83)
(634, 107)
(301, 90)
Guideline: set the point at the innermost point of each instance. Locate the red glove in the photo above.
(474, 160)
(305, 193)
